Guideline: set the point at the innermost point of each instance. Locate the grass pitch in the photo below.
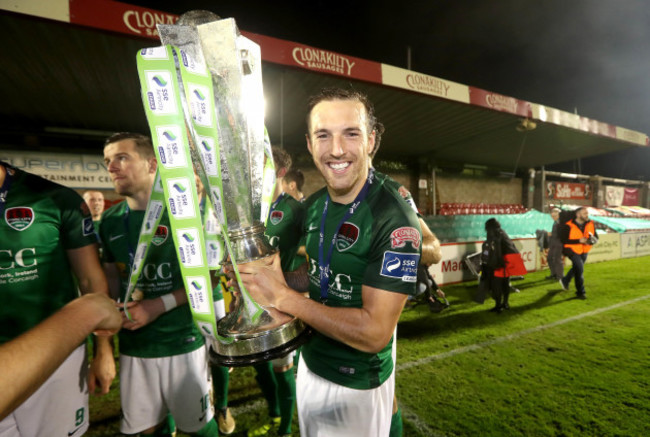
(552, 365)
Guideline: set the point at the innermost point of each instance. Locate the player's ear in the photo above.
(153, 165)
(371, 142)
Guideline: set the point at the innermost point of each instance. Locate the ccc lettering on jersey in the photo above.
(22, 258)
(151, 272)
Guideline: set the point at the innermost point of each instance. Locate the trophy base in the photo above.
(222, 354)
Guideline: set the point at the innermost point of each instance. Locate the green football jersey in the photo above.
(41, 220)
(378, 246)
(284, 230)
(174, 332)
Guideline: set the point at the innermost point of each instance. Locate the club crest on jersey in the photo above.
(160, 236)
(19, 217)
(276, 217)
(347, 236)
(400, 236)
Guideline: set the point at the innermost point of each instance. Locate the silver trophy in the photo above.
(254, 333)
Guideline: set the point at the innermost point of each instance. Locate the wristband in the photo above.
(169, 301)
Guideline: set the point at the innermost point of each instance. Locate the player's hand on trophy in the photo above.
(262, 279)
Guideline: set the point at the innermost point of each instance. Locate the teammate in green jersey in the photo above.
(292, 183)
(46, 238)
(163, 363)
(284, 230)
(363, 244)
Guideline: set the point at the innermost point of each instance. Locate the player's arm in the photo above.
(88, 270)
(431, 250)
(91, 279)
(146, 311)
(298, 279)
(28, 360)
(368, 328)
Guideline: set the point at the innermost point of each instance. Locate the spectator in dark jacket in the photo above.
(555, 247)
(501, 260)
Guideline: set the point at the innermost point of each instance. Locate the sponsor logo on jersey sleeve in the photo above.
(399, 265)
(276, 217)
(19, 217)
(347, 236)
(400, 236)
(161, 235)
(88, 226)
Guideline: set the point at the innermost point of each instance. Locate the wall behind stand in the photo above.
(472, 189)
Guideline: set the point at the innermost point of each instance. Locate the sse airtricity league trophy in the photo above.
(250, 332)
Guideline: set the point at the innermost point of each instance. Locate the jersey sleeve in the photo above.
(107, 254)
(395, 250)
(77, 229)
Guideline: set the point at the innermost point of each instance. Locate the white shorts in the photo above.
(58, 408)
(152, 387)
(284, 360)
(327, 409)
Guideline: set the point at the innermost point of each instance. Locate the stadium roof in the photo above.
(69, 78)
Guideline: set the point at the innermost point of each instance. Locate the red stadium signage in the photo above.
(137, 21)
(306, 57)
(499, 102)
(567, 190)
(631, 197)
(119, 17)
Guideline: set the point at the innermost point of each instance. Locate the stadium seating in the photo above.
(457, 208)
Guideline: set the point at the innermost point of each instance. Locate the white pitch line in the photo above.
(413, 418)
(477, 346)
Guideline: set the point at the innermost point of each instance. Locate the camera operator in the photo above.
(578, 235)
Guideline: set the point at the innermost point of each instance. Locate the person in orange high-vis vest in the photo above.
(578, 236)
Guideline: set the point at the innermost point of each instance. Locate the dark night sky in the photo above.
(586, 56)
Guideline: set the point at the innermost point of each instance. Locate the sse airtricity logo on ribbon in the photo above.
(180, 200)
(160, 92)
(170, 147)
(155, 210)
(140, 253)
(192, 65)
(197, 287)
(206, 146)
(150, 53)
(200, 104)
(189, 247)
(218, 206)
(214, 252)
(399, 265)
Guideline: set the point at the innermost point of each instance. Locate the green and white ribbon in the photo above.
(269, 179)
(162, 102)
(152, 215)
